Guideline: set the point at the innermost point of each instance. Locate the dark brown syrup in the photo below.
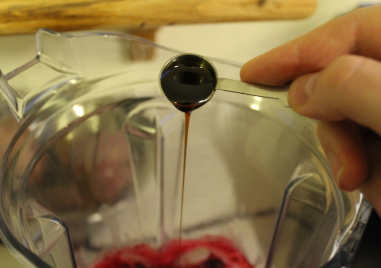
(188, 81)
(187, 118)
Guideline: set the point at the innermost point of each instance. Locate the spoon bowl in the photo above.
(188, 81)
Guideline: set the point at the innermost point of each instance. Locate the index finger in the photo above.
(354, 33)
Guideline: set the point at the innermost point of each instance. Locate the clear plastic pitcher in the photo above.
(92, 158)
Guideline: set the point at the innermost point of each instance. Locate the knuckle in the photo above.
(334, 88)
(338, 75)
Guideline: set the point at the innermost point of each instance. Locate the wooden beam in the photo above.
(26, 16)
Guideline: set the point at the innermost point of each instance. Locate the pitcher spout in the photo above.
(9, 95)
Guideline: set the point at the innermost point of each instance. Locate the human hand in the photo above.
(336, 73)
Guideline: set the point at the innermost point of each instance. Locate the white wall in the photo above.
(233, 41)
(242, 41)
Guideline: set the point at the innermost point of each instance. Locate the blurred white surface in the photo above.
(242, 41)
(232, 41)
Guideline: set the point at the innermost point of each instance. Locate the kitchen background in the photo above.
(237, 42)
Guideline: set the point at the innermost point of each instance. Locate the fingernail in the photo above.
(336, 166)
(301, 89)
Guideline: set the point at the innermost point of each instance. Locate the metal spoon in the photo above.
(189, 81)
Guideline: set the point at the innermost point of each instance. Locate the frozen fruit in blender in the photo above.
(208, 252)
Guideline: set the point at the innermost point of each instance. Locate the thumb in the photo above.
(348, 89)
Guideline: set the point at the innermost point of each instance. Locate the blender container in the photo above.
(92, 158)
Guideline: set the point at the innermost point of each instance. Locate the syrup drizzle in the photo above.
(187, 118)
(188, 81)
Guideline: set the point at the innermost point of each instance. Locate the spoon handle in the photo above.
(254, 89)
